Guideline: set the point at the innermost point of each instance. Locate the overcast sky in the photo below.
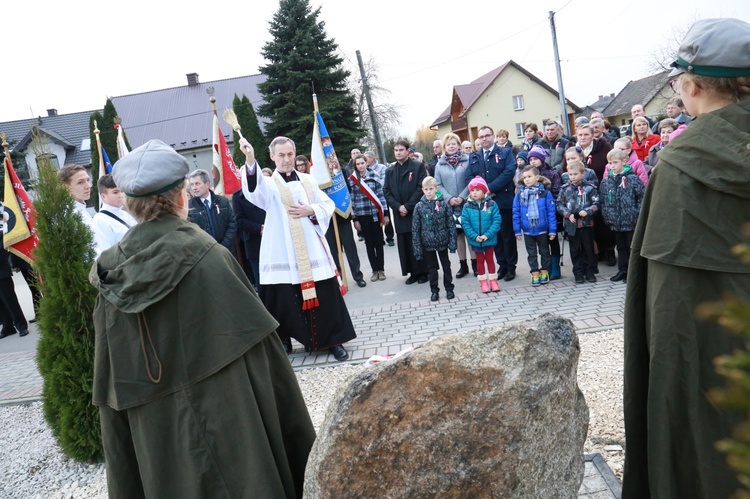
(50, 50)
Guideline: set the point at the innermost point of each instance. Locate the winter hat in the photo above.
(538, 152)
(523, 156)
(478, 183)
(150, 169)
(677, 132)
(715, 47)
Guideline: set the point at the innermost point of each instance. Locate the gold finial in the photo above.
(117, 120)
(96, 128)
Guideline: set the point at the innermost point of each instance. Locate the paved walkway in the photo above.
(387, 329)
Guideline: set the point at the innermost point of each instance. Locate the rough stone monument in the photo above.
(495, 412)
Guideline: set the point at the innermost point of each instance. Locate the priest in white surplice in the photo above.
(298, 279)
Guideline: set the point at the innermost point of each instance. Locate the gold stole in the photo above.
(307, 283)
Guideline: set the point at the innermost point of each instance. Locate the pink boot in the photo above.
(483, 283)
(494, 286)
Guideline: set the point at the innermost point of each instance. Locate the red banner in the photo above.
(19, 216)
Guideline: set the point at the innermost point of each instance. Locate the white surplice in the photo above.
(278, 262)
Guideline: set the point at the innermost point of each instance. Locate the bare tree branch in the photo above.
(387, 114)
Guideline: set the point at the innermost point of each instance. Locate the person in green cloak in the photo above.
(697, 200)
(195, 392)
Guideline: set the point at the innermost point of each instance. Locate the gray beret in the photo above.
(150, 169)
(715, 47)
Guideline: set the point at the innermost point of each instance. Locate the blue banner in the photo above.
(338, 191)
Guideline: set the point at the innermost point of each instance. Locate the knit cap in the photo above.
(538, 152)
(478, 183)
(523, 156)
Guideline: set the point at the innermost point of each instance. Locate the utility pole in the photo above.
(371, 108)
(563, 108)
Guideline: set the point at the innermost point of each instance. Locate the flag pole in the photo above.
(333, 217)
(101, 160)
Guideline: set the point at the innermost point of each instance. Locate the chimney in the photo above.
(51, 112)
(612, 94)
(601, 97)
(192, 79)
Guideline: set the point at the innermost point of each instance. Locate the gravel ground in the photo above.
(33, 467)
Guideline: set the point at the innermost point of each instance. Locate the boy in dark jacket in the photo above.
(621, 193)
(578, 202)
(535, 221)
(433, 234)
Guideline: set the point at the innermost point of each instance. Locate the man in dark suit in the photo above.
(250, 220)
(403, 190)
(496, 165)
(210, 212)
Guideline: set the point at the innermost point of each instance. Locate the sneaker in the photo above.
(485, 286)
(375, 276)
(381, 275)
(543, 277)
(494, 286)
(535, 280)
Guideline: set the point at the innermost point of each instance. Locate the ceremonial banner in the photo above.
(19, 216)
(326, 168)
(107, 163)
(122, 148)
(227, 175)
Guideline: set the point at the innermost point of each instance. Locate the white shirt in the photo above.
(113, 231)
(100, 244)
(278, 263)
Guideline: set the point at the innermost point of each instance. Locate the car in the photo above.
(624, 130)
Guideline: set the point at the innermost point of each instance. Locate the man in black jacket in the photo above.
(496, 165)
(403, 190)
(250, 220)
(210, 212)
(11, 314)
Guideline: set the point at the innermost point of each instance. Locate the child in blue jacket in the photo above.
(480, 221)
(534, 218)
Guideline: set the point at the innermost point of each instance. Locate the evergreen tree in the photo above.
(301, 57)
(65, 352)
(248, 121)
(108, 137)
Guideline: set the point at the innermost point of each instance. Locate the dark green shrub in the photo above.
(65, 353)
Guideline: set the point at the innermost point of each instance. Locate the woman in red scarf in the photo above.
(643, 138)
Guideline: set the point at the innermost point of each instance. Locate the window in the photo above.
(519, 129)
(52, 158)
(517, 102)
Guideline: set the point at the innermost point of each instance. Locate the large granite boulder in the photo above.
(489, 413)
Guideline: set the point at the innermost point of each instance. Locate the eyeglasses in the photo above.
(485, 136)
(675, 85)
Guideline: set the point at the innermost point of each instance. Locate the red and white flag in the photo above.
(229, 180)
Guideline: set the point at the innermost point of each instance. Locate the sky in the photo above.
(54, 58)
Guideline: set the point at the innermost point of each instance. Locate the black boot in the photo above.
(474, 266)
(463, 269)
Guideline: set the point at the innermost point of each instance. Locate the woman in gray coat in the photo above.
(450, 173)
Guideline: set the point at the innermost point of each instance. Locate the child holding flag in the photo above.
(368, 202)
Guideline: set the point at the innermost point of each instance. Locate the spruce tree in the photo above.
(65, 352)
(301, 57)
(108, 137)
(248, 121)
